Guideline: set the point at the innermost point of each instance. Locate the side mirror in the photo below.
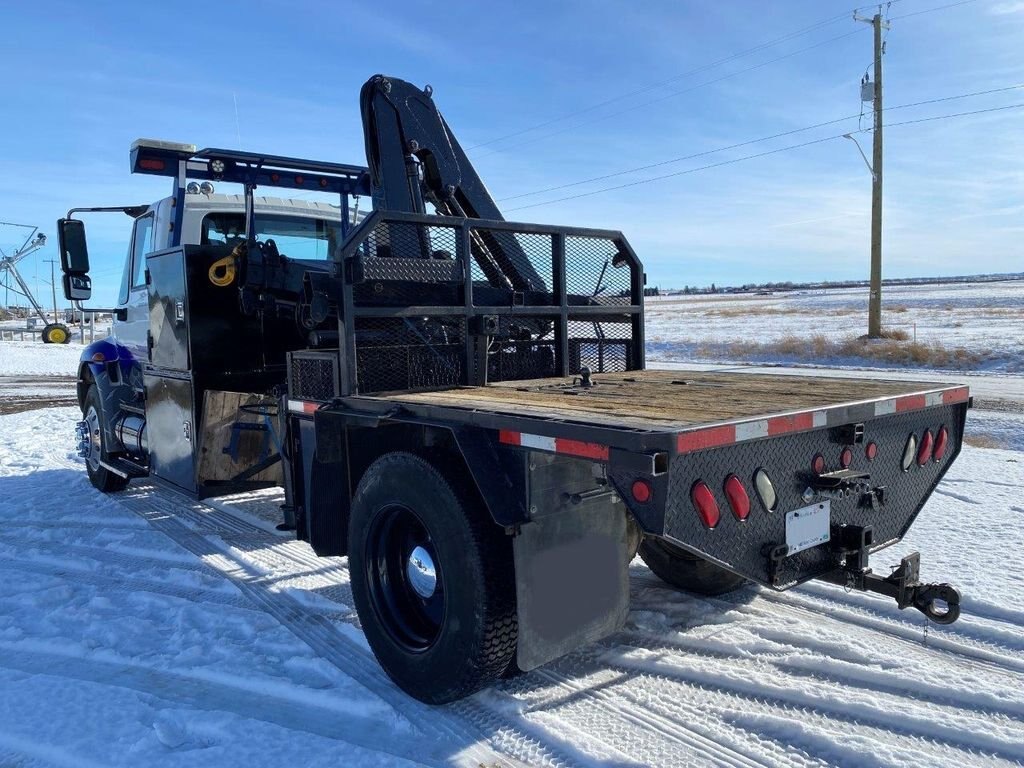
(74, 259)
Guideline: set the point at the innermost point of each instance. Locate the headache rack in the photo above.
(432, 302)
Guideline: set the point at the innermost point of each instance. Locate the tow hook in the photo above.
(939, 602)
(84, 443)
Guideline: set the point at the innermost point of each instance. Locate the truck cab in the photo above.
(302, 229)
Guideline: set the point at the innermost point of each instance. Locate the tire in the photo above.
(679, 569)
(56, 333)
(92, 414)
(437, 641)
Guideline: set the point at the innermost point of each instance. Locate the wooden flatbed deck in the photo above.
(666, 400)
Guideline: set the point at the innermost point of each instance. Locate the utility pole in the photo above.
(53, 285)
(875, 295)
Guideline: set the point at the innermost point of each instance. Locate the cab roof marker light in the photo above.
(173, 146)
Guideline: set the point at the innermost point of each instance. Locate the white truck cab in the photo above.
(302, 229)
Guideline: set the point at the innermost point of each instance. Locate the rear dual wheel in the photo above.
(682, 570)
(432, 579)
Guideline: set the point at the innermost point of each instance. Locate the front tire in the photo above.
(679, 569)
(432, 580)
(92, 414)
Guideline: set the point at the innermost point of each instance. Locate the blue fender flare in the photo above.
(110, 367)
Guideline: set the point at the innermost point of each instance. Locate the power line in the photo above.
(755, 141)
(759, 154)
(725, 60)
(673, 94)
(932, 10)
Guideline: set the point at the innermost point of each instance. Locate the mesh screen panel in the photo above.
(526, 349)
(601, 346)
(589, 270)
(313, 377)
(405, 353)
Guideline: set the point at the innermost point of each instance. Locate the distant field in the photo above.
(963, 326)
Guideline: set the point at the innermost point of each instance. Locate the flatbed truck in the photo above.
(460, 405)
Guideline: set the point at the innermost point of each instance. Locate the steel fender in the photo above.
(488, 463)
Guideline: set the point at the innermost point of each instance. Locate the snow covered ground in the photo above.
(33, 358)
(146, 629)
(982, 318)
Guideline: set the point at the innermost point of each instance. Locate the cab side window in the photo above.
(142, 243)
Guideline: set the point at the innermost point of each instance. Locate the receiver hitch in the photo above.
(939, 602)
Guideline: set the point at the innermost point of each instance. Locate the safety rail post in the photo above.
(558, 285)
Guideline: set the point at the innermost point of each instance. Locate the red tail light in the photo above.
(924, 451)
(641, 491)
(941, 443)
(705, 503)
(818, 464)
(151, 164)
(845, 458)
(737, 496)
(871, 450)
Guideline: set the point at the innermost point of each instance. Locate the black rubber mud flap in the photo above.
(572, 580)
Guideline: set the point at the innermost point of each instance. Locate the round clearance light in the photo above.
(818, 464)
(871, 451)
(765, 489)
(206, 188)
(909, 453)
(846, 458)
(941, 444)
(924, 452)
(641, 491)
(737, 497)
(217, 166)
(705, 504)
(192, 188)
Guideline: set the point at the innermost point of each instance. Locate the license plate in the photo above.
(808, 527)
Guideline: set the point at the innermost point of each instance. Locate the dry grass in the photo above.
(897, 308)
(754, 311)
(894, 350)
(985, 441)
(895, 334)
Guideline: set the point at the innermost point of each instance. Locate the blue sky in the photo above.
(82, 80)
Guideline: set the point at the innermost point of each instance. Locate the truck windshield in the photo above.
(296, 237)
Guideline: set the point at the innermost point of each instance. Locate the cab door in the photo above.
(131, 332)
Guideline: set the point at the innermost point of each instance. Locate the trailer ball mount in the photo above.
(939, 602)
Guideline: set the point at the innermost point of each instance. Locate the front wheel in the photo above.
(432, 580)
(93, 448)
(679, 569)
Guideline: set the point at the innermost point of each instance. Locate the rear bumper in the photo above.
(885, 498)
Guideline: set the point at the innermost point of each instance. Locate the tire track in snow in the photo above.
(987, 658)
(323, 637)
(199, 692)
(760, 689)
(119, 584)
(670, 729)
(803, 662)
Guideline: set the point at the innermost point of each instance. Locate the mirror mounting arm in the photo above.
(121, 313)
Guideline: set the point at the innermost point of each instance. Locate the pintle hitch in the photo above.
(939, 602)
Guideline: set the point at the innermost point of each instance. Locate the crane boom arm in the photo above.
(414, 157)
